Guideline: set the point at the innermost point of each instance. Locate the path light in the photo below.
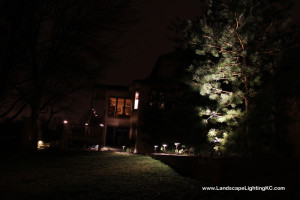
(177, 144)
(155, 147)
(164, 145)
(65, 122)
(123, 148)
(86, 124)
(40, 144)
(101, 125)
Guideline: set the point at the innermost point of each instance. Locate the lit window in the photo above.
(112, 106)
(136, 100)
(119, 107)
(128, 107)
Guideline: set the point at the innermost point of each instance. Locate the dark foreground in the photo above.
(99, 175)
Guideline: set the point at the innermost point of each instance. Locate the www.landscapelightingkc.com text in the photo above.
(243, 188)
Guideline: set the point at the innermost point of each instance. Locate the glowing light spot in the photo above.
(136, 100)
(40, 144)
(155, 148)
(177, 144)
(164, 145)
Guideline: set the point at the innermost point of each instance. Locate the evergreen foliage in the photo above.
(241, 43)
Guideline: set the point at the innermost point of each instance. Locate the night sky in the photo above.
(144, 41)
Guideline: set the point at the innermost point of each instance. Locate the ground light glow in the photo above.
(65, 122)
(164, 145)
(40, 144)
(177, 144)
(155, 148)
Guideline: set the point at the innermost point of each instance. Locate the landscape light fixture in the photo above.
(65, 122)
(177, 144)
(155, 147)
(123, 148)
(40, 144)
(164, 145)
(101, 125)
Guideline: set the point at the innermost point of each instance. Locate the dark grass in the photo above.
(97, 175)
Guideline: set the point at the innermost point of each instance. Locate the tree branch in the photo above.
(10, 108)
(237, 26)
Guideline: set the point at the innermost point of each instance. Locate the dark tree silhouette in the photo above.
(52, 48)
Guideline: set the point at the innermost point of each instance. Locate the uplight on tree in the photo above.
(236, 43)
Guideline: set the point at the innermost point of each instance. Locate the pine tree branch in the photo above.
(269, 27)
(237, 22)
(227, 44)
(230, 51)
(237, 26)
(217, 47)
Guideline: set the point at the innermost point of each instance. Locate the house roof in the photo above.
(112, 87)
(170, 66)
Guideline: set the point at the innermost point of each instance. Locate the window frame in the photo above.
(123, 115)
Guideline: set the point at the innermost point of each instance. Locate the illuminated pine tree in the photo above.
(239, 42)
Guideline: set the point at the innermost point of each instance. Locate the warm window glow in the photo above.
(128, 107)
(112, 106)
(119, 107)
(136, 100)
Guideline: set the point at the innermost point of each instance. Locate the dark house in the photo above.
(124, 109)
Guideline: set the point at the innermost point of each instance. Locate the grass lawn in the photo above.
(96, 175)
(91, 175)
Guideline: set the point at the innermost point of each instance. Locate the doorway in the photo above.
(117, 136)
